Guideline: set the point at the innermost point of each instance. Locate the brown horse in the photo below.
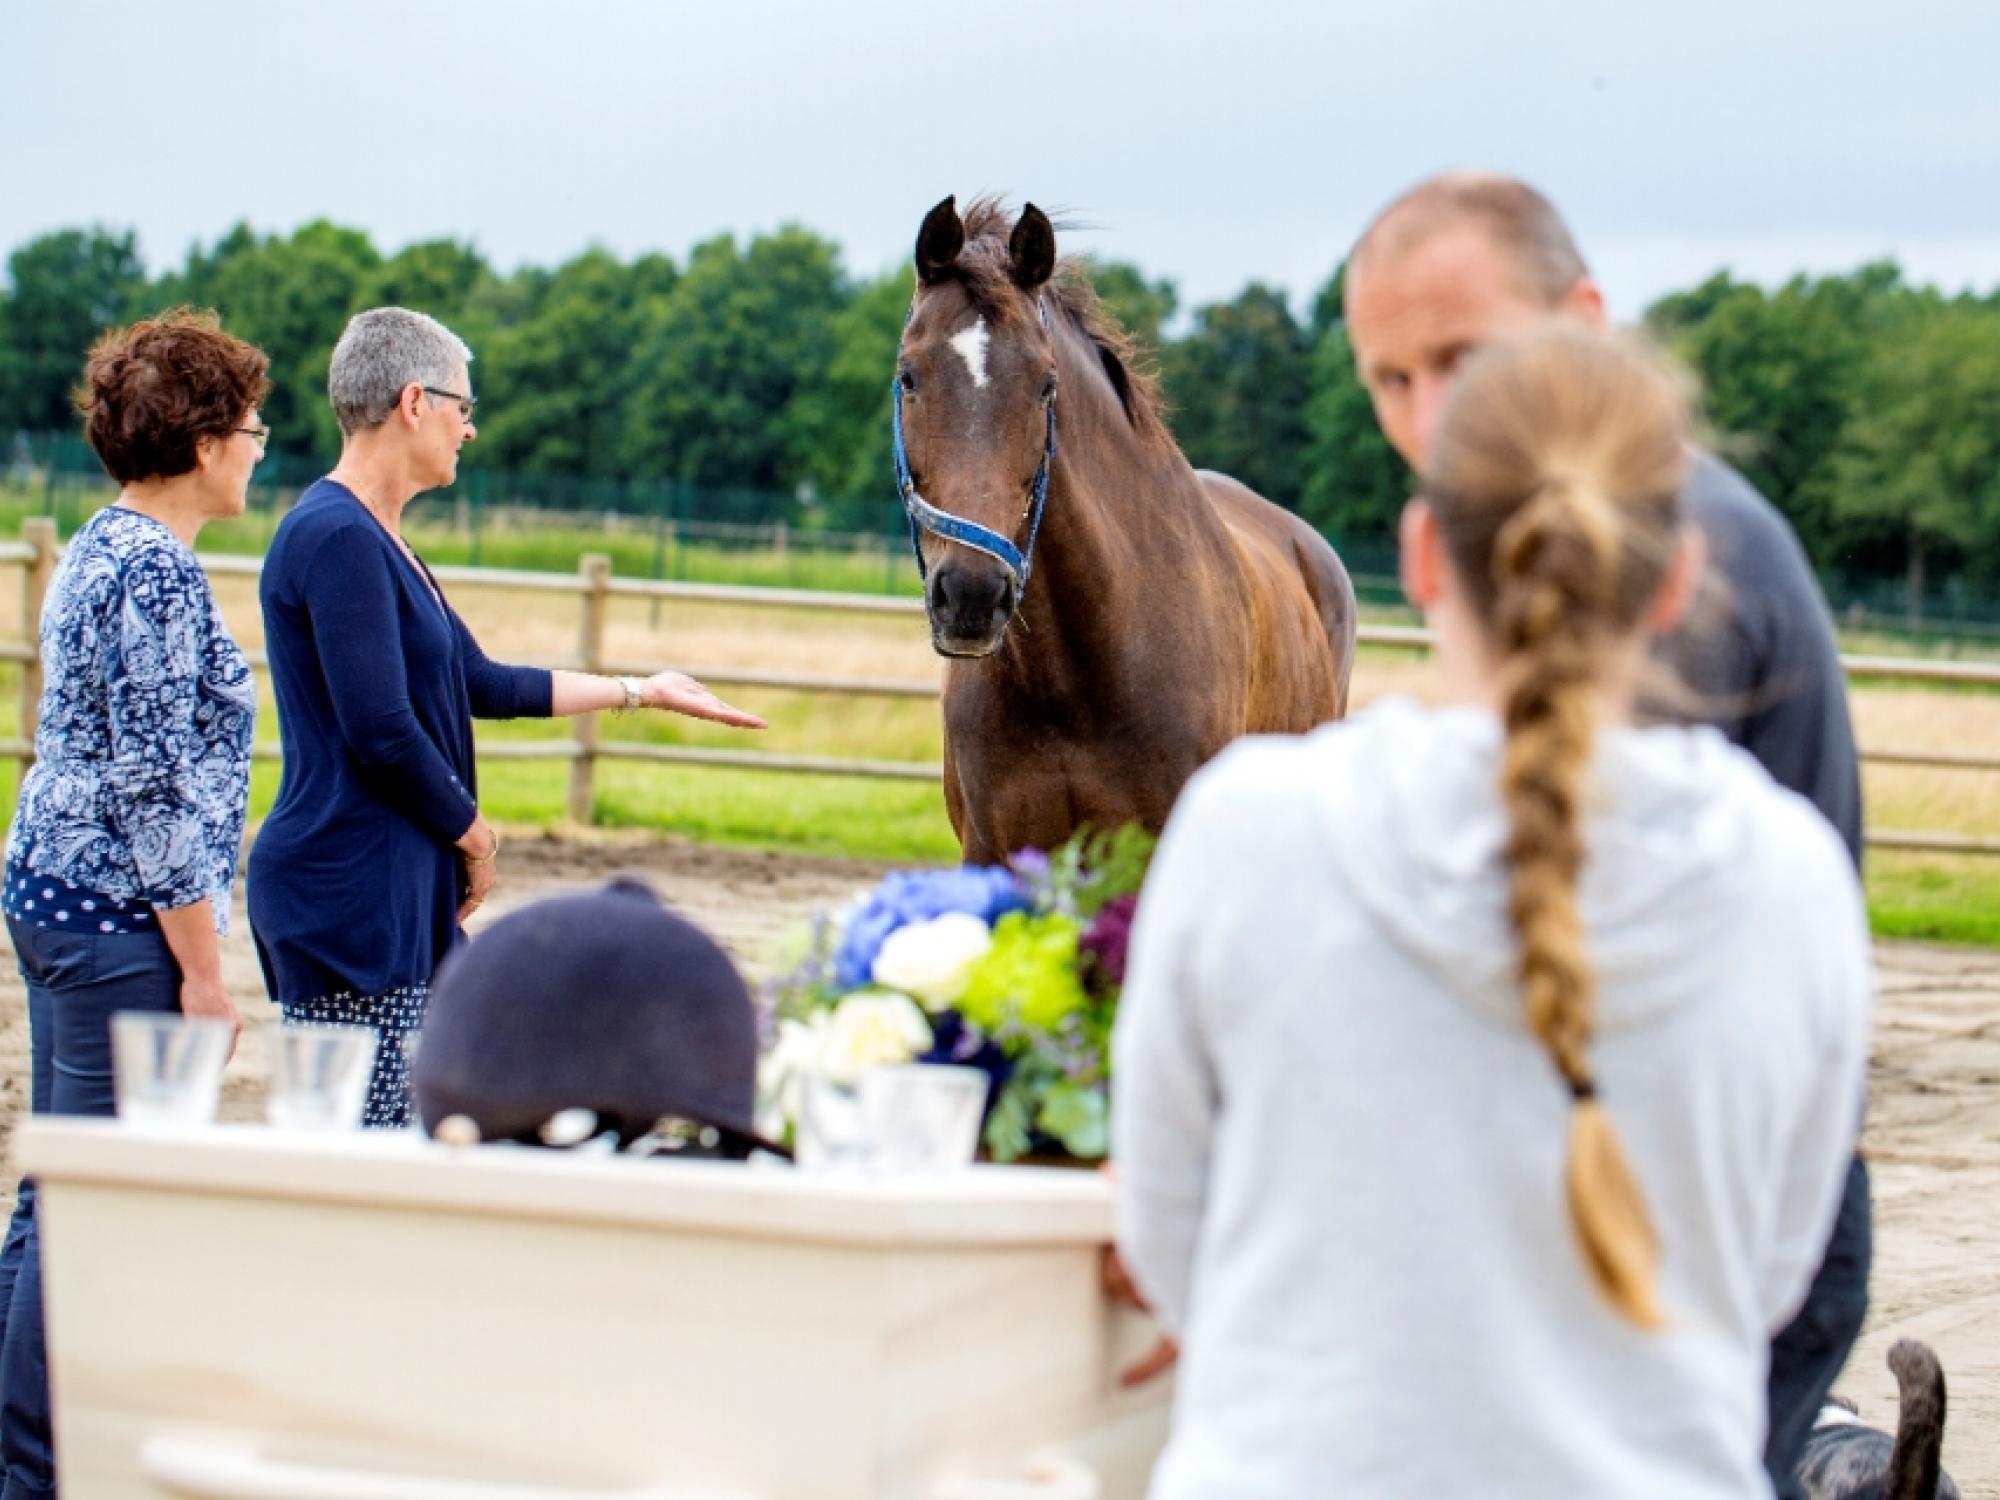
(1105, 646)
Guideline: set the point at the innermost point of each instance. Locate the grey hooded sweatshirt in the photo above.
(1341, 1153)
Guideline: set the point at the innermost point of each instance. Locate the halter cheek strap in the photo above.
(924, 516)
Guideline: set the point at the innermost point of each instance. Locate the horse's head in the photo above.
(976, 380)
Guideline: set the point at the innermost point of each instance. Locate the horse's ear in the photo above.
(939, 241)
(1032, 249)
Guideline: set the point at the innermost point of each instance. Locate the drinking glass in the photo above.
(832, 1131)
(167, 1069)
(320, 1075)
(922, 1117)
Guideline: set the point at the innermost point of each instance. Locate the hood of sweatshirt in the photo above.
(1670, 833)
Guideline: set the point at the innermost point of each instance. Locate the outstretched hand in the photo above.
(678, 693)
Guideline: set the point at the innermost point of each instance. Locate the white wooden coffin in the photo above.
(238, 1313)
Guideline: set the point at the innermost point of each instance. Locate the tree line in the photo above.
(1866, 407)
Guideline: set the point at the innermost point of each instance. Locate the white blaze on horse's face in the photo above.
(971, 347)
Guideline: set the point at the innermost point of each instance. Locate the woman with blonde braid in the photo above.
(1488, 1072)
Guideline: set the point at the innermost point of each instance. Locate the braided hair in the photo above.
(1554, 478)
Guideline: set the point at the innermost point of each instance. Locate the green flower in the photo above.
(1080, 1117)
(1028, 977)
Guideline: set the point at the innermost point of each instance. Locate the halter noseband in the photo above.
(927, 517)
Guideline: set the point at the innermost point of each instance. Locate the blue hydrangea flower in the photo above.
(987, 892)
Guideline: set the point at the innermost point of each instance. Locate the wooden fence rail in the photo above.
(594, 586)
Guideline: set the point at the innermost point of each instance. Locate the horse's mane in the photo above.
(982, 269)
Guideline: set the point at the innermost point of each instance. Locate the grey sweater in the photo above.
(1760, 652)
(1341, 1153)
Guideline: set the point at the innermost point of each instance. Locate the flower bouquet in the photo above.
(1013, 969)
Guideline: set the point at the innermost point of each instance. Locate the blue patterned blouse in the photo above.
(142, 761)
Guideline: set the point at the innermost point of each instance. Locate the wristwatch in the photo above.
(635, 694)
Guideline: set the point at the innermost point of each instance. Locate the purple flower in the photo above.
(1031, 865)
(986, 891)
(764, 1011)
(1105, 941)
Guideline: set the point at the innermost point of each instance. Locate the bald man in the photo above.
(1466, 258)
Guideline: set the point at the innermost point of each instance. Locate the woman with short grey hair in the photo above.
(377, 849)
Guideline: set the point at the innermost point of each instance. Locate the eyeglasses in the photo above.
(465, 403)
(262, 435)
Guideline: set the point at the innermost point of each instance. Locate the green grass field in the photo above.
(555, 545)
(1933, 898)
(835, 815)
(1940, 898)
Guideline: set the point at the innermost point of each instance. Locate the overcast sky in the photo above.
(1210, 143)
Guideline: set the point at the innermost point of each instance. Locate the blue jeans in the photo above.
(1808, 1356)
(76, 982)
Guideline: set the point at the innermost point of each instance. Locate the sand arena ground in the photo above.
(1933, 1130)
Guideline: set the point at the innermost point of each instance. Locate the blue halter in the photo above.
(927, 517)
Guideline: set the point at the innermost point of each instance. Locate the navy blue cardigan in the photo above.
(354, 881)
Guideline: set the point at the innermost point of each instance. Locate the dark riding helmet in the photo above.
(594, 1013)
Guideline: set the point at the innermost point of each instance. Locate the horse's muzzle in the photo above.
(969, 608)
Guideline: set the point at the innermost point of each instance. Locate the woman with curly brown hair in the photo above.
(129, 824)
(1488, 1073)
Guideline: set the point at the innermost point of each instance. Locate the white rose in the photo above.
(933, 960)
(870, 1028)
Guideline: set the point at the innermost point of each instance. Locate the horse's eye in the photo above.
(1049, 386)
(909, 382)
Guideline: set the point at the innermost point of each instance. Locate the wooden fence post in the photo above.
(38, 532)
(595, 570)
